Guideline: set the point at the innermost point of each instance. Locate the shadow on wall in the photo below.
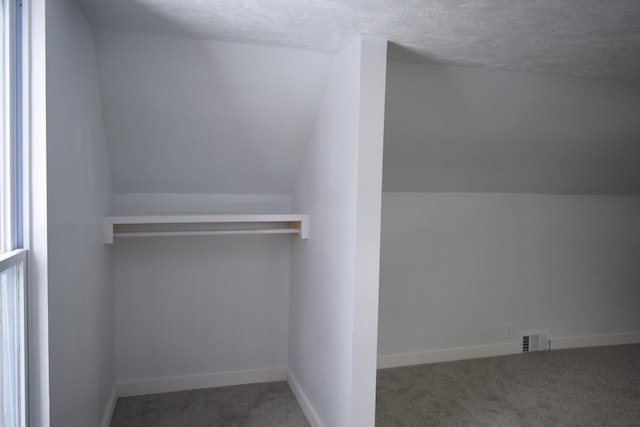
(428, 119)
(399, 53)
(464, 129)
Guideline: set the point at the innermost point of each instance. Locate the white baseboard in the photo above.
(511, 347)
(594, 341)
(449, 354)
(192, 382)
(111, 406)
(303, 401)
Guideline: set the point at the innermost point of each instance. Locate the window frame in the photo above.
(8, 260)
(11, 125)
(12, 16)
(12, 258)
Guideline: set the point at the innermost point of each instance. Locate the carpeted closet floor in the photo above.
(252, 405)
(584, 387)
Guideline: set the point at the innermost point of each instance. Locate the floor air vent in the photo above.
(537, 341)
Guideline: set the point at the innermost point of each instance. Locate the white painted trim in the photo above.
(192, 382)
(449, 354)
(111, 406)
(208, 232)
(303, 401)
(36, 220)
(594, 341)
(511, 347)
(194, 219)
(295, 224)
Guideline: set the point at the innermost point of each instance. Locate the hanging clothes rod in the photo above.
(204, 225)
(207, 232)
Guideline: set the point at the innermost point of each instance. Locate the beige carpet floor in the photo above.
(583, 387)
(252, 405)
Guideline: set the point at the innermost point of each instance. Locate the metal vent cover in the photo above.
(535, 341)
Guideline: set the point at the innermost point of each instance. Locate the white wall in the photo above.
(36, 237)
(368, 217)
(198, 126)
(190, 311)
(195, 306)
(330, 334)
(187, 115)
(81, 333)
(456, 267)
(189, 203)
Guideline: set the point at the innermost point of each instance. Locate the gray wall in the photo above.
(456, 129)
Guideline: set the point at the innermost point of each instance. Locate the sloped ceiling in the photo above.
(460, 129)
(596, 38)
(191, 116)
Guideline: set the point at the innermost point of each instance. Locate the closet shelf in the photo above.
(204, 225)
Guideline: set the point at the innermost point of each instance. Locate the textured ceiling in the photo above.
(598, 38)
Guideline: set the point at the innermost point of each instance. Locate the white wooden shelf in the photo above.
(204, 225)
